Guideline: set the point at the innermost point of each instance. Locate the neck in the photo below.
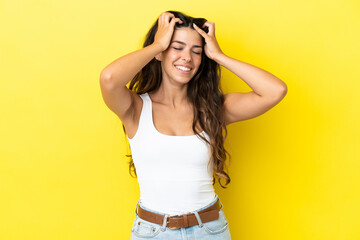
(173, 97)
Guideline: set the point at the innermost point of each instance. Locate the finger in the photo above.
(166, 17)
(168, 13)
(180, 21)
(211, 27)
(162, 18)
(200, 31)
(174, 20)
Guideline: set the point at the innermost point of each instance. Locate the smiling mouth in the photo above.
(183, 69)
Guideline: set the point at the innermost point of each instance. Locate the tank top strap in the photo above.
(146, 111)
(145, 116)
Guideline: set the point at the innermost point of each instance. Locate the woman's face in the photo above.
(181, 60)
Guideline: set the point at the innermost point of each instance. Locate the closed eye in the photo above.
(181, 48)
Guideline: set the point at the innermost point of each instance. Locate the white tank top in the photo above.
(172, 171)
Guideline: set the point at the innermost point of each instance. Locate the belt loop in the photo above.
(164, 222)
(198, 218)
(220, 203)
(137, 207)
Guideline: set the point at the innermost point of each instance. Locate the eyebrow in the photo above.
(195, 46)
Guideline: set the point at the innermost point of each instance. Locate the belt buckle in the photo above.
(167, 222)
(176, 216)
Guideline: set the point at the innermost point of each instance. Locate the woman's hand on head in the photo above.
(211, 48)
(165, 29)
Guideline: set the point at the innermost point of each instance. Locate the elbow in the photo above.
(278, 93)
(282, 91)
(105, 78)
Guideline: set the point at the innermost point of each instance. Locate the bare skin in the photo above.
(166, 119)
(172, 111)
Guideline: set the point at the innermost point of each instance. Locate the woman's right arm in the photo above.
(116, 75)
(123, 69)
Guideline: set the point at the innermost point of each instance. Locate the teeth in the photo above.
(183, 68)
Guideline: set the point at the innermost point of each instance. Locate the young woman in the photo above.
(174, 114)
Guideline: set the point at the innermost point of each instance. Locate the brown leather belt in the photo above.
(182, 221)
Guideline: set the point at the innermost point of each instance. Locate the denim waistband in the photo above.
(197, 210)
(166, 216)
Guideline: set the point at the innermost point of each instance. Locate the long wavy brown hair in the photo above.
(204, 91)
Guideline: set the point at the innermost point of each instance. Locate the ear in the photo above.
(159, 57)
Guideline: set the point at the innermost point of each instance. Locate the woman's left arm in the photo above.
(262, 82)
(268, 90)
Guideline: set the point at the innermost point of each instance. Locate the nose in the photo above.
(186, 56)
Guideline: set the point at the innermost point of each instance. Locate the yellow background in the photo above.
(63, 171)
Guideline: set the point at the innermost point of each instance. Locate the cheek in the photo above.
(171, 57)
(197, 60)
(171, 53)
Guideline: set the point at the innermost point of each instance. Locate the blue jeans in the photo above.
(217, 229)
